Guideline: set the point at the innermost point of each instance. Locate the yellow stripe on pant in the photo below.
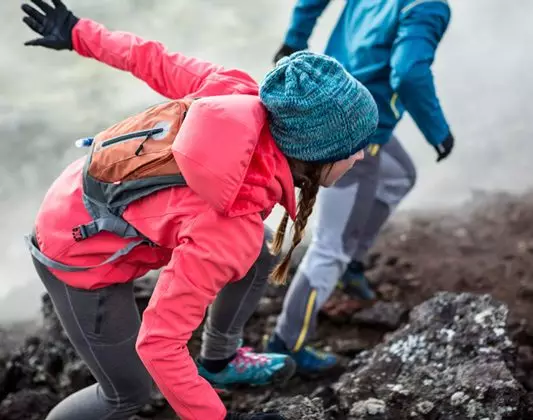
(373, 149)
(307, 319)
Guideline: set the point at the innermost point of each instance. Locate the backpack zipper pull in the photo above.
(141, 146)
(148, 135)
(85, 142)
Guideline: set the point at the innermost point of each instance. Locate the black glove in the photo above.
(54, 24)
(258, 416)
(445, 148)
(284, 51)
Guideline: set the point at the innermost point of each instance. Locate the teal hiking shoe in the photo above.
(251, 368)
(355, 284)
(309, 361)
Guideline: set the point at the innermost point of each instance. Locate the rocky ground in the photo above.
(416, 354)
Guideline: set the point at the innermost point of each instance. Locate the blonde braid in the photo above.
(306, 201)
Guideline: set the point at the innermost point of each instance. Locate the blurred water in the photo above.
(48, 99)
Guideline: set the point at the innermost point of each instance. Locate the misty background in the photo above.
(48, 99)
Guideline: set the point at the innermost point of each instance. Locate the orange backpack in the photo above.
(127, 161)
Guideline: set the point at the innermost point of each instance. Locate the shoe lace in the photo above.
(246, 357)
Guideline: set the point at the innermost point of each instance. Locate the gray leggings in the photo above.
(103, 325)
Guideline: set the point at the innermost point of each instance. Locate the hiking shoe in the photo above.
(355, 284)
(309, 361)
(251, 368)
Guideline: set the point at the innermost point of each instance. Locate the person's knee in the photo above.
(392, 191)
(411, 179)
(408, 182)
(134, 395)
(134, 401)
(323, 268)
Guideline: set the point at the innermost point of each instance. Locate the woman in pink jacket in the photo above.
(242, 149)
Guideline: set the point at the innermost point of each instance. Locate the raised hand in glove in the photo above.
(445, 148)
(284, 51)
(258, 416)
(54, 24)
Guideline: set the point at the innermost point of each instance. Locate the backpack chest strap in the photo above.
(109, 223)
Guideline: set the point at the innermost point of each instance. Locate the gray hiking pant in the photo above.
(349, 216)
(103, 325)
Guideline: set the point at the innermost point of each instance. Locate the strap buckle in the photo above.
(79, 233)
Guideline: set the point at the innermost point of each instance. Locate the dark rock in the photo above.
(454, 357)
(148, 411)
(28, 404)
(14, 336)
(52, 325)
(18, 375)
(369, 408)
(526, 291)
(391, 261)
(76, 376)
(46, 368)
(143, 288)
(525, 246)
(340, 307)
(529, 408)
(388, 315)
(388, 292)
(54, 362)
(297, 408)
(158, 400)
(350, 346)
(33, 341)
(268, 306)
(157, 403)
(521, 332)
(271, 322)
(326, 394)
(453, 361)
(525, 366)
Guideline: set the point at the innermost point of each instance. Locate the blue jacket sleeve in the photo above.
(420, 30)
(304, 17)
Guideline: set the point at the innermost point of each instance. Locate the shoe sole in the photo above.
(279, 380)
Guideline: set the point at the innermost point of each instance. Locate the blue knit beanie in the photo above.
(318, 112)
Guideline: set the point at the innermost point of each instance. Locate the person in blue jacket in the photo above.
(389, 45)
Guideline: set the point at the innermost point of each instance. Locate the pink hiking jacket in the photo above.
(208, 234)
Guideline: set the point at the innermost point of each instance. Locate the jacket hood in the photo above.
(226, 154)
